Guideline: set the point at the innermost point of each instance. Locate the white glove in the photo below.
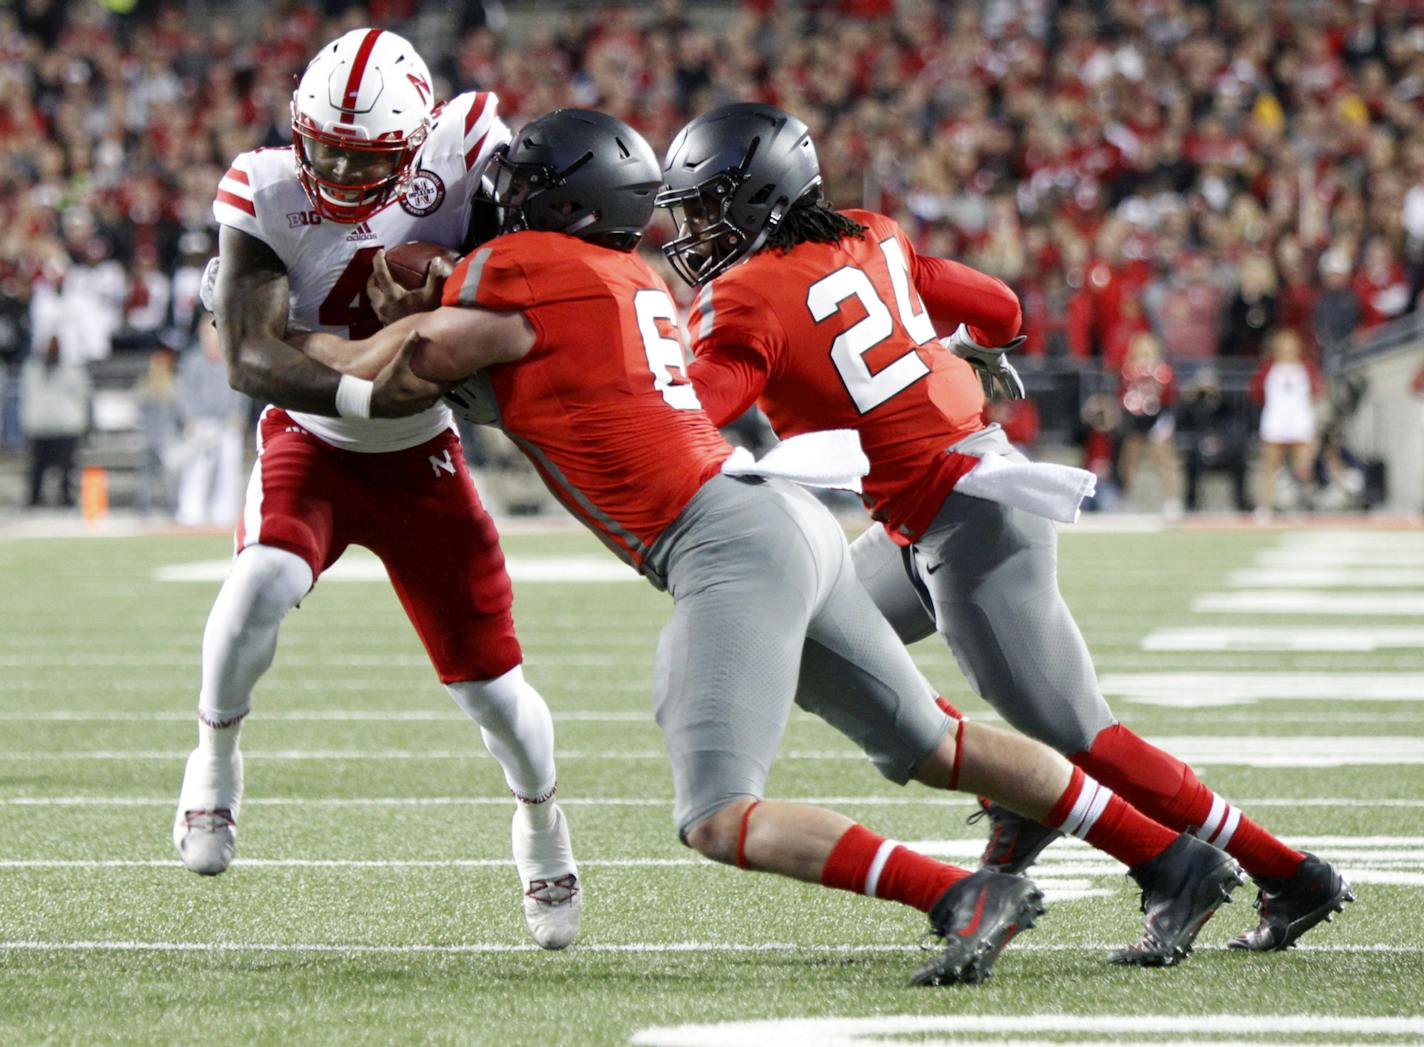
(990, 361)
(207, 288)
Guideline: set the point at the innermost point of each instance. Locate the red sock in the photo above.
(865, 863)
(1102, 818)
(1168, 790)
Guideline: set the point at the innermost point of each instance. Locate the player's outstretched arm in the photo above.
(446, 345)
(251, 301)
(955, 294)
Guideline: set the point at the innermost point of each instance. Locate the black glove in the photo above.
(990, 361)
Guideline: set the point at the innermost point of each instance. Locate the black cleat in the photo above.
(1181, 889)
(1014, 841)
(977, 917)
(1291, 905)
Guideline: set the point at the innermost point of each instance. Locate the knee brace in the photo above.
(241, 634)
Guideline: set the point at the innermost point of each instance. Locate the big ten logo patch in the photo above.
(295, 219)
(425, 195)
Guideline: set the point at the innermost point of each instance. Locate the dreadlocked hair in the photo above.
(812, 220)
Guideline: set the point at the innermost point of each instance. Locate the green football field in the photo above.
(373, 899)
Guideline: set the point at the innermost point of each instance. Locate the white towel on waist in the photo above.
(829, 458)
(1054, 491)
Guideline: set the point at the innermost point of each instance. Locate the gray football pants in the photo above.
(760, 574)
(985, 577)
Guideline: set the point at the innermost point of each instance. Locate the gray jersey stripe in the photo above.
(578, 503)
(704, 302)
(471, 287)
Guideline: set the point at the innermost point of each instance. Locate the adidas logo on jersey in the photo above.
(361, 232)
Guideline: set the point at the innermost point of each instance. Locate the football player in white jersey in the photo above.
(343, 461)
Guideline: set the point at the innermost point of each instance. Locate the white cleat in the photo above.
(205, 827)
(553, 896)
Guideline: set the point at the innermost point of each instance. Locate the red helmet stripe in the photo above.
(358, 69)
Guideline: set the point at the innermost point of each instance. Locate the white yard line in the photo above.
(1341, 577)
(323, 661)
(452, 715)
(361, 567)
(1337, 604)
(1197, 689)
(910, 798)
(1201, 750)
(1017, 1030)
(358, 948)
(1313, 640)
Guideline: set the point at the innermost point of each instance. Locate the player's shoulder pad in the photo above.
(468, 126)
(735, 305)
(495, 275)
(879, 224)
(235, 202)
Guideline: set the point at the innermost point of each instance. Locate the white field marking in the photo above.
(1200, 750)
(318, 716)
(1309, 601)
(1327, 578)
(1216, 1030)
(646, 718)
(1383, 559)
(325, 684)
(363, 567)
(1405, 538)
(660, 948)
(1361, 638)
(909, 798)
(1195, 689)
(342, 863)
(324, 662)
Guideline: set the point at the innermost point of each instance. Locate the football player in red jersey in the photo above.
(584, 370)
(344, 461)
(830, 319)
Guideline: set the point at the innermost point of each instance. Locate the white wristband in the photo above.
(353, 397)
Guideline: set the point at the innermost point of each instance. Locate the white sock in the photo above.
(220, 741)
(540, 815)
(518, 731)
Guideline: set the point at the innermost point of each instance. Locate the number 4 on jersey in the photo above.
(826, 296)
(346, 304)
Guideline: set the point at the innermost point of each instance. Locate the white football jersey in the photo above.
(328, 263)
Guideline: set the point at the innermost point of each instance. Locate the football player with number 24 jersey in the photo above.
(829, 318)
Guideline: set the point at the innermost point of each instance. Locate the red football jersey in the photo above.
(845, 342)
(601, 405)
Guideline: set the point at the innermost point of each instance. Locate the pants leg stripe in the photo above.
(877, 866)
(1223, 837)
(1083, 806)
(1213, 819)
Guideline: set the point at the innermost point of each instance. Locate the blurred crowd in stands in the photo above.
(1169, 185)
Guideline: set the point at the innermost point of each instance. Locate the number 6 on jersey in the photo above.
(665, 353)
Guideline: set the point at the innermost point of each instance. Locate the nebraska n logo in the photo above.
(436, 464)
(422, 86)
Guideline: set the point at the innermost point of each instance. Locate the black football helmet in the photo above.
(578, 172)
(729, 178)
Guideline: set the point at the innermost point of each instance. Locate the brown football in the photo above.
(409, 261)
